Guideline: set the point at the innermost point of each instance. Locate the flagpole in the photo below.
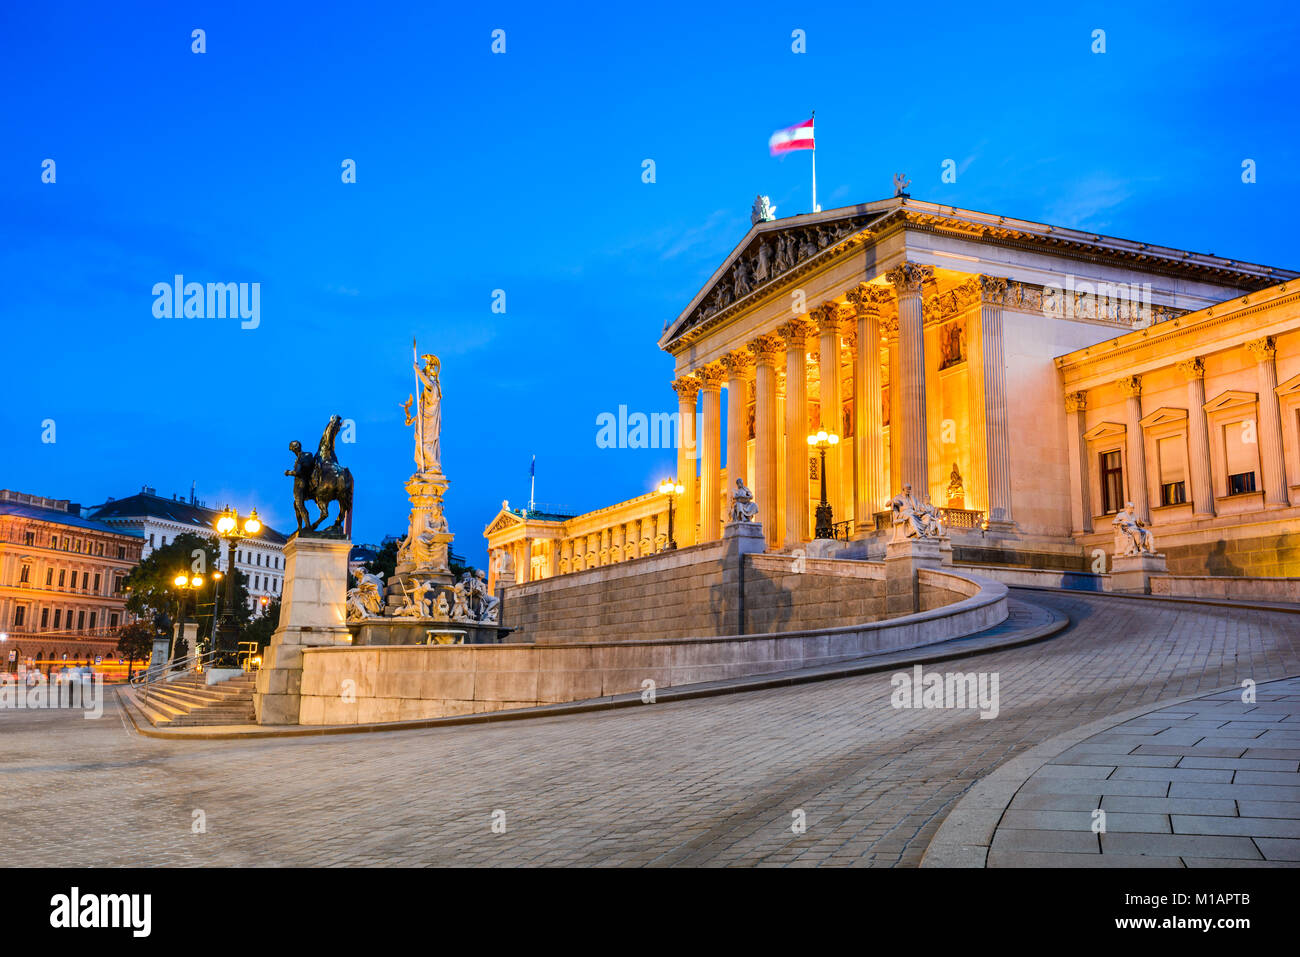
(532, 484)
(815, 208)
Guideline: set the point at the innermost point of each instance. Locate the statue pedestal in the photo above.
(902, 558)
(1132, 573)
(313, 612)
(745, 537)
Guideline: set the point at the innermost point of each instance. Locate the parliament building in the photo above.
(1029, 379)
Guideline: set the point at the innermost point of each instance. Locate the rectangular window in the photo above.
(93, 616)
(54, 541)
(45, 618)
(29, 538)
(121, 551)
(97, 584)
(49, 576)
(151, 539)
(1112, 482)
(81, 620)
(1171, 456)
(58, 616)
(63, 574)
(85, 580)
(112, 620)
(25, 574)
(1239, 446)
(20, 613)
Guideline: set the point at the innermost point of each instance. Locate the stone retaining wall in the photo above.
(1241, 589)
(343, 685)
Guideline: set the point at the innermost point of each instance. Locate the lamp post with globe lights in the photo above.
(670, 488)
(225, 637)
(821, 441)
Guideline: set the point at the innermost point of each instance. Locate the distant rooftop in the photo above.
(148, 504)
(56, 511)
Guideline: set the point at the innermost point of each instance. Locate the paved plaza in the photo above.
(712, 781)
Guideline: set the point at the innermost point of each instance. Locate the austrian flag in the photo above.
(798, 137)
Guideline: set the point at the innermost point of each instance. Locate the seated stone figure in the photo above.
(743, 506)
(488, 603)
(914, 518)
(1132, 537)
(367, 599)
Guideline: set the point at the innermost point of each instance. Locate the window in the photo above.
(1171, 456)
(54, 541)
(121, 551)
(259, 558)
(1239, 444)
(151, 539)
(49, 576)
(63, 574)
(97, 583)
(85, 580)
(1112, 482)
(257, 582)
(29, 538)
(117, 585)
(81, 620)
(45, 618)
(112, 620)
(92, 621)
(25, 574)
(20, 613)
(58, 615)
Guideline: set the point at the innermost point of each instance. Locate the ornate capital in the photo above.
(711, 376)
(795, 333)
(1262, 349)
(869, 300)
(766, 349)
(737, 364)
(687, 388)
(827, 317)
(1192, 368)
(992, 289)
(889, 327)
(1076, 401)
(1130, 386)
(909, 277)
(850, 338)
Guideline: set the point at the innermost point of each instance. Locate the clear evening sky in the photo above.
(523, 172)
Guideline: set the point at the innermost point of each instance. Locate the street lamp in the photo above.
(225, 637)
(670, 488)
(822, 441)
(184, 583)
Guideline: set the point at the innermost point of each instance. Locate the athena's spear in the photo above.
(419, 405)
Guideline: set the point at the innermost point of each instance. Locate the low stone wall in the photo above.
(343, 685)
(1039, 577)
(1239, 589)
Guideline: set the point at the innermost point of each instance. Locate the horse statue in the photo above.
(321, 479)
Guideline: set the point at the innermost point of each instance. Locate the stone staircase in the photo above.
(188, 702)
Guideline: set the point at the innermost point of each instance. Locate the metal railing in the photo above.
(951, 517)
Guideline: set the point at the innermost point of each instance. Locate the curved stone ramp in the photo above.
(1204, 780)
(1025, 623)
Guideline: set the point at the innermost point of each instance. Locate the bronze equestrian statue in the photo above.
(321, 479)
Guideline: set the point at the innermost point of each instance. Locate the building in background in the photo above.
(61, 574)
(159, 520)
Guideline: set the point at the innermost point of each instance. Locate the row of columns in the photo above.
(1199, 467)
(877, 473)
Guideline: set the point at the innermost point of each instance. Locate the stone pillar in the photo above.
(997, 439)
(1271, 461)
(890, 329)
(871, 467)
(827, 317)
(687, 388)
(1131, 388)
(552, 558)
(313, 613)
(907, 280)
(526, 561)
(710, 452)
(1198, 438)
(1076, 404)
(795, 335)
(738, 366)
(766, 350)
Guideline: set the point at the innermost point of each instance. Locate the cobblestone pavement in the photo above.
(709, 781)
(1210, 782)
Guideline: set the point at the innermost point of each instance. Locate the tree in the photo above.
(385, 565)
(136, 641)
(151, 590)
(263, 627)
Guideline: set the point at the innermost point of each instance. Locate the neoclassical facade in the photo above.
(941, 345)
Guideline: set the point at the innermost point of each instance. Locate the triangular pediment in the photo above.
(1105, 430)
(503, 521)
(1290, 387)
(770, 253)
(1162, 416)
(1229, 399)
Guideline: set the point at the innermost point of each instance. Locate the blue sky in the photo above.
(522, 172)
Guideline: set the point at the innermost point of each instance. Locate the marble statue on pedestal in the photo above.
(1132, 536)
(743, 506)
(914, 518)
(367, 599)
(415, 600)
(428, 420)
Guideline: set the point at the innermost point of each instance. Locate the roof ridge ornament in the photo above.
(762, 211)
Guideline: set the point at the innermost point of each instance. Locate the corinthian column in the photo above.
(1080, 490)
(827, 317)
(1131, 388)
(1198, 438)
(766, 350)
(907, 280)
(889, 327)
(871, 467)
(738, 366)
(1270, 423)
(710, 377)
(795, 336)
(687, 388)
(997, 440)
